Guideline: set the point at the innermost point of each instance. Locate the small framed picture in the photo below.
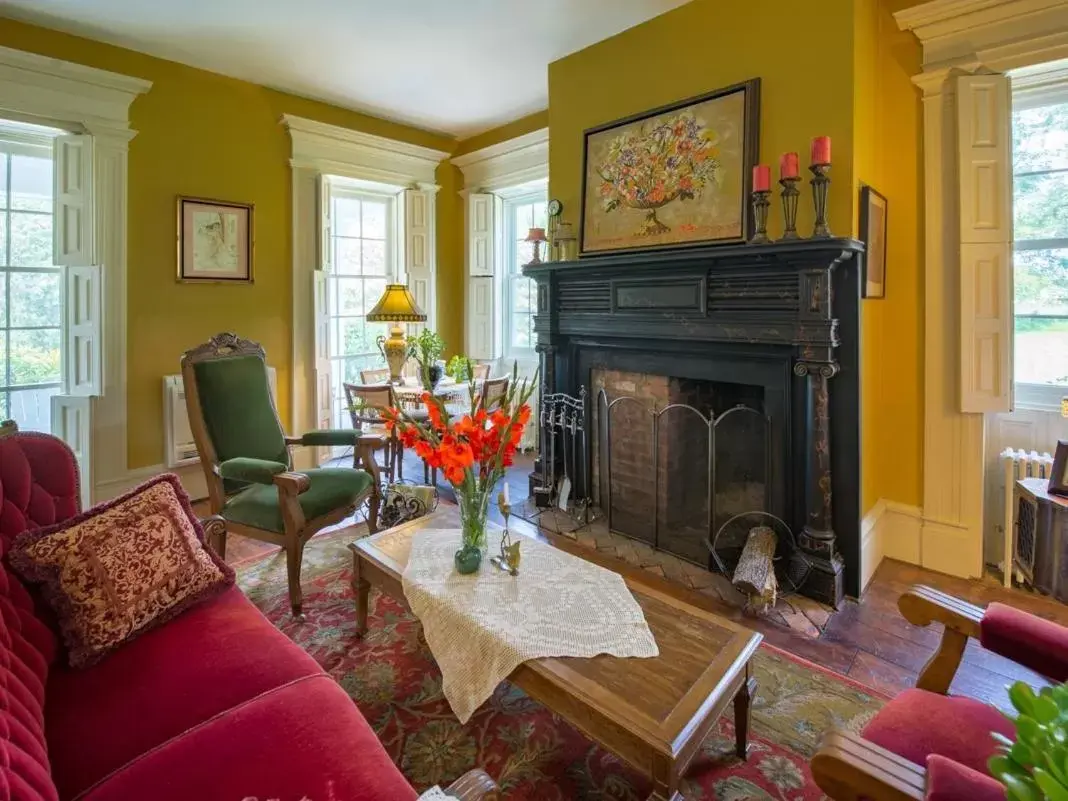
(1058, 479)
(873, 235)
(215, 241)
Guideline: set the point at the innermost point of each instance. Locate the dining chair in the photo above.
(376, 375)
(480, 372)
(493, 393)
(366, 402)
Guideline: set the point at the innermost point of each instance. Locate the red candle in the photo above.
(761, 178)
(821, 150)
(788, 166)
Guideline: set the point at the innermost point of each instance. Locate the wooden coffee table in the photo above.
(653, 713)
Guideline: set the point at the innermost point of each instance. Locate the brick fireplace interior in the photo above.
(674, 487)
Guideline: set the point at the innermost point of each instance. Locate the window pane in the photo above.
(374, 220)
(373, 289)
(355, 338)
(32, 408)
(350, 296)
(374, 257)
(3, 309)
(31, 240)
(524, 254)
(1041, 281)
(3, 239)
(1041, 351)
(3, 407)
(3, 181)
(346, 220)
(1041, 206)
(523, 297)
(348, 256)
(34, 356)
(3, 357)
(31, 183)
(540, 215)
(1040, 138)
(35, 299)
(521, 332)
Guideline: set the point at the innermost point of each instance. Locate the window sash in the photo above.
(513, 272)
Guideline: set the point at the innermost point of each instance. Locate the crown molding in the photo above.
(516, 161)
(52, 90)
(343, 151)
(996, 34)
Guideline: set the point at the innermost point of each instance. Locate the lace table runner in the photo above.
(482, 626)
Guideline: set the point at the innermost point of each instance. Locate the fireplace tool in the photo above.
(564, 455)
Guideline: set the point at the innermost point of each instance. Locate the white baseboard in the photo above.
(948, 547)
(192, 478)
(890, 529)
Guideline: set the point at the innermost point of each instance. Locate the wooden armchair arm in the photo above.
(923, 606)
(475, 785)
(215, 533)
(847, 767)
(292, 483)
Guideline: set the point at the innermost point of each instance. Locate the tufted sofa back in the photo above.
(38, 483)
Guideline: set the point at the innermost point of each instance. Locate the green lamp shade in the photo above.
(396, 304)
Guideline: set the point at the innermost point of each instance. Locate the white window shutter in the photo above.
(72, 422)
(323, 388)
(480, 314)
(481, 239)
(326, 249)
(72, 224)
(419, 253)
(82, 369)
(986, 280)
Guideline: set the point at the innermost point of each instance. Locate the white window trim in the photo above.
(318, 149)
(76, 98)
(508, 274)
(497, 169)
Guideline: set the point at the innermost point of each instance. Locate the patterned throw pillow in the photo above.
(122, 568)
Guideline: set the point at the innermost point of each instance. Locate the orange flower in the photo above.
(524, 415)
(457, 453)
(434, 412)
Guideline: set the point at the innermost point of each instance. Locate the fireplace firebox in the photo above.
(761, 341)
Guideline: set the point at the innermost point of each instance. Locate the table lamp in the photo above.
(537, 236)
(396, 306)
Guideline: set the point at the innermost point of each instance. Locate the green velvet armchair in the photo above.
(246, 459)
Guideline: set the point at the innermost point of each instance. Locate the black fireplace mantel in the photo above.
(797, 300)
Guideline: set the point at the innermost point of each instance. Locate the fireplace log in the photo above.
(755, 573)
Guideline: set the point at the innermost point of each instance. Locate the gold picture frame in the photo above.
(216, 241)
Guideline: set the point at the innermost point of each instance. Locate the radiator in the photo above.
(1019, 518)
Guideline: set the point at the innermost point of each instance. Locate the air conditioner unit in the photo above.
(178, 436)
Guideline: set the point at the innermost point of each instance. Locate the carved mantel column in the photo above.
(817, 539)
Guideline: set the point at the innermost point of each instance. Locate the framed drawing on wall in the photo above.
(873, 235)
(215, 241)
(674, 176)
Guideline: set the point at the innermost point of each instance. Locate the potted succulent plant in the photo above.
(1035, 766)
(459, 369)
(427, 348)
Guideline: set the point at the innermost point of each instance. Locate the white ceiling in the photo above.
(453, 66)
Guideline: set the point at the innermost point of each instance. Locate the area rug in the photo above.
(532, 753)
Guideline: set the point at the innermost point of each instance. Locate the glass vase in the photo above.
(473, 507)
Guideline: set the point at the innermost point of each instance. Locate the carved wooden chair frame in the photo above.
(848, 767)
(290, 484)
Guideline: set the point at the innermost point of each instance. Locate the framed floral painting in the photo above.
(215, 240)
(675, 176)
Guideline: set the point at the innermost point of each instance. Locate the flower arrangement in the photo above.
(662, 161)
(473, 450)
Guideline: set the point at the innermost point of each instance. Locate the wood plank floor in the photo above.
(867, 640)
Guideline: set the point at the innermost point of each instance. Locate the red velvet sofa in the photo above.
(215, 704)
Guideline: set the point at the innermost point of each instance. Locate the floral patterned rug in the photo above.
(532, 753)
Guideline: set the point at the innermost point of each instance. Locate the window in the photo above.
(362, 250)
(1040, 209)
(30, 307)
(519, 294)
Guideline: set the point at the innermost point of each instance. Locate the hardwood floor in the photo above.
(867, 640)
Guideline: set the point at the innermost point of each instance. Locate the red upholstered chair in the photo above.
(924, 743)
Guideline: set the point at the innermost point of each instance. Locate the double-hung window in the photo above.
(362, 242)
(519, 297)
(30, 307)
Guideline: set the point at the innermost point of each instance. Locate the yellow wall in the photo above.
(853, 87)
(888, 136)
(203, 134)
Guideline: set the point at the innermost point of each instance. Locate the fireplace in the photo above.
(719, 381)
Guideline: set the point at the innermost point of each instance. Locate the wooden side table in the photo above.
(1041, 536)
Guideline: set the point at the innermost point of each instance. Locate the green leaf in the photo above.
(1053, 789)
(1028, 730)
(1000, 765)
(1022, 754)
(1022, 697)
(1022, 789)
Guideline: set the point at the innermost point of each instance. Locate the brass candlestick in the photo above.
(820, 184)
(789, 207)
(509, 557)
(761, 204)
